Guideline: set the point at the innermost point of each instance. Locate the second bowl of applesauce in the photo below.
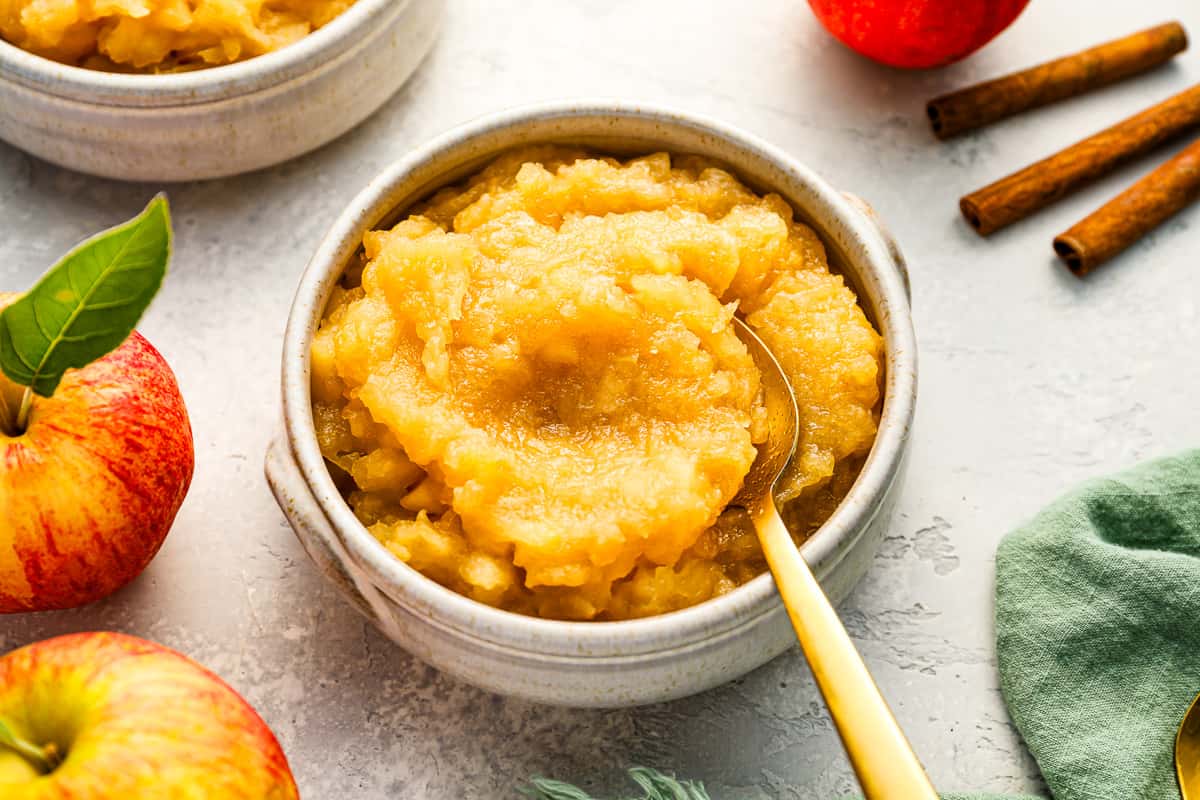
(525, 395)
(156, 90)
(160, 36)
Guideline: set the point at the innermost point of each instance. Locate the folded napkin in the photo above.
(1097, 638)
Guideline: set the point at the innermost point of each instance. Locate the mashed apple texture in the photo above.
(160, 35)
(531, 390)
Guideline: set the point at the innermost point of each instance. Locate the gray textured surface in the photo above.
(1030, 381)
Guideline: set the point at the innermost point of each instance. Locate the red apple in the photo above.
(104, 716)
(916, 33)
(89, 490)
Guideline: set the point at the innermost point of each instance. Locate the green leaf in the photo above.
(88, 303)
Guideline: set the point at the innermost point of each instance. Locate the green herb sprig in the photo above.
(84, 307)
(654, 785)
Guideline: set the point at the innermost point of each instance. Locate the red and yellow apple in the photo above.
(916, 33)
(104, 716)
(90, 488)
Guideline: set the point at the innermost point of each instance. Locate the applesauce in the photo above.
(160, 35)
(530, 389)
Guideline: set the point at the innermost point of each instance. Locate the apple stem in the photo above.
(23, 411)
(53, 756)
(44, 759)
(8, 421)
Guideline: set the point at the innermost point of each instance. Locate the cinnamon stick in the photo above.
(1038, 185)
(1132, 214)
(985, 103)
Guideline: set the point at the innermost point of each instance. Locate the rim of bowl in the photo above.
(98, 87)
(590, 639)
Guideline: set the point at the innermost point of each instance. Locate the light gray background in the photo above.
(1030, 380)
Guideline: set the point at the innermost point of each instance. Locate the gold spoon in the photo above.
(1187, 752)
(884, 761)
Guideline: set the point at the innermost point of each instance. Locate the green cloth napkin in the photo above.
(1097, 638)
(1098, 631)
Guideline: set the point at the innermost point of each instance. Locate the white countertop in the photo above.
(1030, 380)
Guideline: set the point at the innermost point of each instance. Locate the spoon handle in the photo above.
(886, 765)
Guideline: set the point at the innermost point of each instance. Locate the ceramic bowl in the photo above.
(220, 121)
(597, 664)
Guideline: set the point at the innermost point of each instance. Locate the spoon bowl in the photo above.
(783, 423)
(1187, 752)
(884, 761)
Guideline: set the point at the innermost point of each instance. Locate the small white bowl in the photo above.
(220, 121)
(592, 663)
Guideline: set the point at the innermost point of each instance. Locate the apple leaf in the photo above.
(88, 303)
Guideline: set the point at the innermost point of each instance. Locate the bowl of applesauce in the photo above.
(516, 410)
(154, 90)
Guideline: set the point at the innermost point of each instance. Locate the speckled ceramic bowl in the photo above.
(592, 663)
(221, 121)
